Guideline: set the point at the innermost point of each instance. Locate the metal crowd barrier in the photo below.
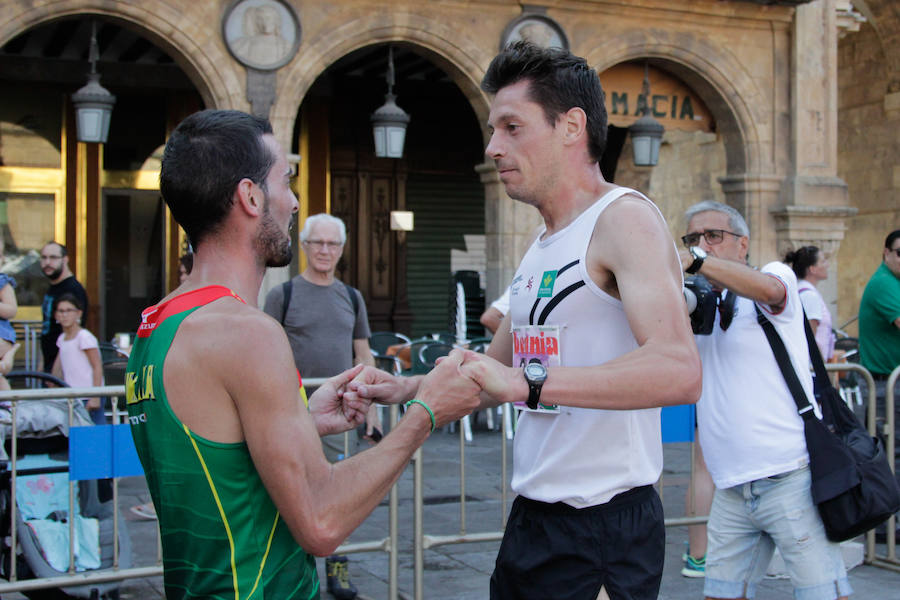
(28, 333)
(72, 578)
(889, 560)
(389, 544)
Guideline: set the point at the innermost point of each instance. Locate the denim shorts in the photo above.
(747, 522)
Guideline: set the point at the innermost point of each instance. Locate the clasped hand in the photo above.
(453, 389)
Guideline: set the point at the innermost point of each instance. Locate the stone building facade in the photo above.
(800, 97)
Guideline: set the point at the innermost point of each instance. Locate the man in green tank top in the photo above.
(228, 440)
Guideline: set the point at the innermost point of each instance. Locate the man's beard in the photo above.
(273, 245)
(54, 274)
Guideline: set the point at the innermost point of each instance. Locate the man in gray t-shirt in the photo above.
(328, 328)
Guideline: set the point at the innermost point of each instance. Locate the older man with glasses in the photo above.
(750, 432)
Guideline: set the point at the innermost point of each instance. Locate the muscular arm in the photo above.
(741, 279)
(632, 248)
(245, 388)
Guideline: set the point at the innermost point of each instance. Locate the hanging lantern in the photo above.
(389, 122)
(93, 103)
(646, 132)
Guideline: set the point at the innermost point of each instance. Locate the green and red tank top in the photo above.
(222, 536)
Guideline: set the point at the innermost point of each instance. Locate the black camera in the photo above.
(702, 301)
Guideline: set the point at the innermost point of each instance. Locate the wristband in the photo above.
(426, 407)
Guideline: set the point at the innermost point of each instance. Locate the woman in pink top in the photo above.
(811, 266)
(78, 362)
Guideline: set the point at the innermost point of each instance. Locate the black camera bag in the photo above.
(852, 482)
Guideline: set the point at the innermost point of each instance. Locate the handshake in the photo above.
(456, 386)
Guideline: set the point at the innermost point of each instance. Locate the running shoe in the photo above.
(694, 567)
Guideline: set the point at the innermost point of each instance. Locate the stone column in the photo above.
(508, 226)
(814, 203)
(752, 194)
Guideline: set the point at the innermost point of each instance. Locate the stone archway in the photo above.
(463, 60)
(184, 34)
(734, 99)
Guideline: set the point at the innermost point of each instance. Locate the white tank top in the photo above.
(579, 456)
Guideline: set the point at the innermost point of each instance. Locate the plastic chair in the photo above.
(429, 353)
(380, 341)
(391, 364)
(443, 336)
(480, 344)
(415, 357)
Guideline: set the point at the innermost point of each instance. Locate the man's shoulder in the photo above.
(231, 318)
(883, 279)
(69, 284)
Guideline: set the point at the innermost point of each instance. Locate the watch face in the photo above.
(535, 372)
(698, 252)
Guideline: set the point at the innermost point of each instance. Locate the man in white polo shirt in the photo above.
(750, 432)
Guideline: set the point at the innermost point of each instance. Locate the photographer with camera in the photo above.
(750, 432)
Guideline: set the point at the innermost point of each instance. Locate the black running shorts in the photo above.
(555, 551)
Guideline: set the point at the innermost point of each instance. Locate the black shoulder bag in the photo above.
(852, 482)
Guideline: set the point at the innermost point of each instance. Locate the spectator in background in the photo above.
(750, 431)
(879, 313)
(185, 266)
(879, 322)
(811, 266)
(55, 265)
(496, 311)
(8, 309)
(78, 361)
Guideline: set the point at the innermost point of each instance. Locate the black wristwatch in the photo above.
(699, 255)
(535, 375)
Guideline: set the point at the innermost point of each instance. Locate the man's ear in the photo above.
(575, 122)
(249, 197)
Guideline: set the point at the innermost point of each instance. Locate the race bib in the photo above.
(536, 343)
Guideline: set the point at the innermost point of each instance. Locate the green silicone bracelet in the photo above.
(426, 407)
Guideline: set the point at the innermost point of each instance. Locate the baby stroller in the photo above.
(42, 499)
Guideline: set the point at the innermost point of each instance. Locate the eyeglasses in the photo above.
(65, 311)
(712, 237)
(44, 257)
(318, 244)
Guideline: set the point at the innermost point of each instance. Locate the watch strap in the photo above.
(695, 266)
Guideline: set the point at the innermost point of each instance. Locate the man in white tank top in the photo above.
(596, 340)
(750, 432)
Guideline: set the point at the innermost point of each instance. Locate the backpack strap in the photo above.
(286, 289)
(351, 291)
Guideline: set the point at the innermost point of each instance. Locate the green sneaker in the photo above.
(694, 567)
(338, 578)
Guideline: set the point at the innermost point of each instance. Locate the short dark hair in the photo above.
(71, 299)
(558, 81)
(63, 251)
(889, 240)
(206, 157)
(802, 259)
